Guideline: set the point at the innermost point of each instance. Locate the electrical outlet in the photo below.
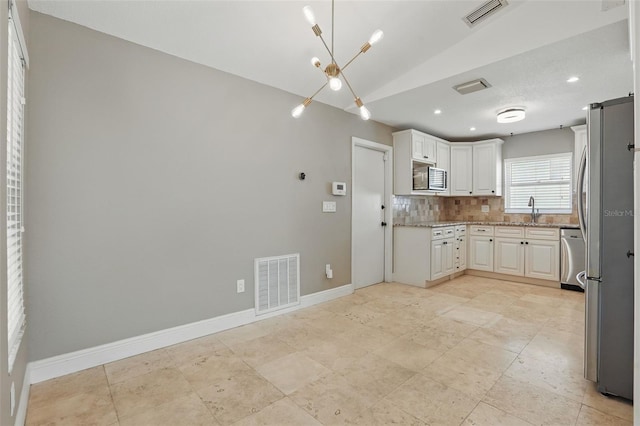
(485, 208)
(240, 286)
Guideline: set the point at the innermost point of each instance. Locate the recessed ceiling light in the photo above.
(510, 115)
(473, 129)
(436, 112)
(572, 79)
(584, 108)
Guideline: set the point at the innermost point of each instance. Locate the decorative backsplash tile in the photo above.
(426, 209)
(417, 209)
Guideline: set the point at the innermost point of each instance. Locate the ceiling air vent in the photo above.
(484, 11)
(472, 86)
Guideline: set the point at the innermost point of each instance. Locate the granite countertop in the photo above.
(441, 224)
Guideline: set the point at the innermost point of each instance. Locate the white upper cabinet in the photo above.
(423, 147)
(580, 143)
(476, 168)
(461, 177)
(473, 168)
(487, 168)
(413, 152)
(443, 153)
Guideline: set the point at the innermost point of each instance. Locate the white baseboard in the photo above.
(21, 413)
(61, 365)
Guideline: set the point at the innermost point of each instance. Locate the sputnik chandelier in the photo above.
(333, 72)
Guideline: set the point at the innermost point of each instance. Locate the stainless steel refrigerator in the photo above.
(606, 219)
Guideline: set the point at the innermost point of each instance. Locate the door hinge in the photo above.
(385, 156)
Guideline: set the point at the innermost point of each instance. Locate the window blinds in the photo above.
(547, 178)
(15, 121)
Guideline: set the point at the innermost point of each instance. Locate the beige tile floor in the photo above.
(472, 351)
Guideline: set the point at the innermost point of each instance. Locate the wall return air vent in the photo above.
(277, 282)
(484, 11)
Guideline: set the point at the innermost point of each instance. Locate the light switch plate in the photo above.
(328, 206)
(485, 208)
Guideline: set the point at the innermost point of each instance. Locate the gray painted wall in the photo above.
(554, 141)
(154, 182)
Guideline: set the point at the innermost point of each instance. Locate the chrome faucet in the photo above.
(534, 214)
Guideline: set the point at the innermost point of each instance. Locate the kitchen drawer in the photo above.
(509, 231)
(440, 233)
(542, 233)
(481, 230)
(461, 230)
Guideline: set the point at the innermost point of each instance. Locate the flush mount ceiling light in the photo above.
(333, 72)
(511, 115)
(572, 79)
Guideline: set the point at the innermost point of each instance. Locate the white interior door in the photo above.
(368, 216)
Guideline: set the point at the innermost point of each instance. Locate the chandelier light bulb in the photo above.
(364, 113)
(308, 14)
(297, 111)
(315, 61)
(376, 37)
(335, 83)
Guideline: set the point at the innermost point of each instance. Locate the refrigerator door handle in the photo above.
(582, 279)
(580, 192)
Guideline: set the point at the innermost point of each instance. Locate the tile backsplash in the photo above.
(407, 209)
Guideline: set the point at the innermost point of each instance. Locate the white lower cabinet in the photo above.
(520, 254)
(423, 254)
(509, 256)
(481, 248)
(541, 259)
(481, 253)
(442, 258)
(461, 248)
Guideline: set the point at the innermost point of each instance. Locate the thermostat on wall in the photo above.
(339, 188)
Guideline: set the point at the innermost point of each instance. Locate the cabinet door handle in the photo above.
(383, 224)
(470, 192)
(493, 192)
(490, 240)
(521, 242)
(444, 243)
(527, 242)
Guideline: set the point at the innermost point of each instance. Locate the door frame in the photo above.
(388, 194)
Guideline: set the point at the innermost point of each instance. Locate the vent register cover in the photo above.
(277, 282)
(484, 11)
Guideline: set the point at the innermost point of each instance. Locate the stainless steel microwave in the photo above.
(437, 179)
(420, 176)
(428, 178)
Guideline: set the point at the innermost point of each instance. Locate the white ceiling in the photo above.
(526, 52)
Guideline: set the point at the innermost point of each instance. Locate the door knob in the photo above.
(629, 253)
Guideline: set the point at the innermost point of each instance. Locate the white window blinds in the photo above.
(15, 121)
(546, 178)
